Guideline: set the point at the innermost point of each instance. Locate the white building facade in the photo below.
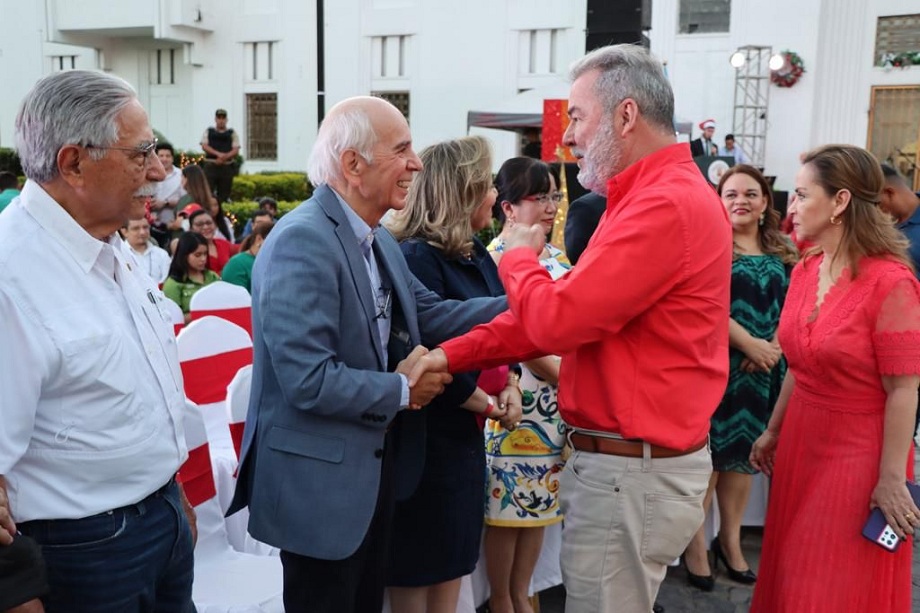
(833, 100)
(437, 60)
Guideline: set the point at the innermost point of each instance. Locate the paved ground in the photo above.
(728, 597)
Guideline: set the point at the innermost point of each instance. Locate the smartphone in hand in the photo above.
(877, 529)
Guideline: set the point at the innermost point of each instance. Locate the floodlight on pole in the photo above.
(737, 59)
(777, 61)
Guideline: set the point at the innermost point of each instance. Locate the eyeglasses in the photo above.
(545, 198)
(384, 303)
(144, 152)
(205, 223)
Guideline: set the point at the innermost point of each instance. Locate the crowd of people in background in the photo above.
(418, 392)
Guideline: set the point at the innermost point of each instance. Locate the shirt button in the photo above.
(378, 453)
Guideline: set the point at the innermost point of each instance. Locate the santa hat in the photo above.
(708, 123)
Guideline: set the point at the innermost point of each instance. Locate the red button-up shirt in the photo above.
(641, 322)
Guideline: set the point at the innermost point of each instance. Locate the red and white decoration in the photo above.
(226, 581)
(224, 300)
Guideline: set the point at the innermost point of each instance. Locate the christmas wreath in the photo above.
(900, 60)
(791, 71)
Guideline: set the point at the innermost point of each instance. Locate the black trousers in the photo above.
(220, 178)
(352, 585)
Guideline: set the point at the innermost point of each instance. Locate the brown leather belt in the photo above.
(622, 447)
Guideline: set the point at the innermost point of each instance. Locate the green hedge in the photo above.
(287, 186)
(241, 211)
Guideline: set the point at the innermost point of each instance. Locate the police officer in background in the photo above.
(220, 144)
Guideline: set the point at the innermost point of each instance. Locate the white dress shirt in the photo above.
(735, 152)
(92, 396)
(153, 261)
(169, 188)
(364, 234)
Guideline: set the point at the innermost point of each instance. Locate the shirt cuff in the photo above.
(404, 397)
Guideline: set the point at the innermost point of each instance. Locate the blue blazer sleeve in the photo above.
(430, 268)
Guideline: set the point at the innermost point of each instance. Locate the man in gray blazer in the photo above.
(330, 438)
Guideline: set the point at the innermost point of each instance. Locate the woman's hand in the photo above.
(510, 401)
(763, 354)
(893, 498)
(763, 452)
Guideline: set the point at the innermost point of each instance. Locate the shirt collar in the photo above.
(363, 232)
(52, 217)
(636, 173)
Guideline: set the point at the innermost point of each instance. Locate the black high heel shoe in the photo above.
(741, 576)
(705, 583)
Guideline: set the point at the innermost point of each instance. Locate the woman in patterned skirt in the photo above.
(524, 465)
(760, 275)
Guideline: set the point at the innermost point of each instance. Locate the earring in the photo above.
(835, 221)
(760, 221)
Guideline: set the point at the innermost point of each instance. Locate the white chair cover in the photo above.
(176, 316)
(211, 352)
(224, 300)
(226, 581)
(237, 407)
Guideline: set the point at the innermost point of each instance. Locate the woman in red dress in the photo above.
(839, 441)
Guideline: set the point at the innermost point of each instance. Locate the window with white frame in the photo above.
(705, 16)
(260, 61)
(60, 63)
(538, 52)
(163, 67)
(388, 57)
(262, 126)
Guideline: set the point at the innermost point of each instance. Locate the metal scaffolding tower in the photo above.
(752, 93)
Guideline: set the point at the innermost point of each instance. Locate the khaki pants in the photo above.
(626, 519)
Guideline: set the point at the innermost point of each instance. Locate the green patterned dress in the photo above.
(523, 467)
(759, 284)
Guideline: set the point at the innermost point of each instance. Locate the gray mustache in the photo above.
(147, 191)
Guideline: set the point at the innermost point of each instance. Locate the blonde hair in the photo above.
(772, 240)
(456, 177)
(866, 230)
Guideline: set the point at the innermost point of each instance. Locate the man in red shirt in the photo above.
(642, 325)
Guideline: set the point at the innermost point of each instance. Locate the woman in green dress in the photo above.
(188, 271)
(763, 257)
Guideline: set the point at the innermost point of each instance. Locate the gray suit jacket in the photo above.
(322, 398)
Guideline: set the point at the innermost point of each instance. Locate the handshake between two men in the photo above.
(428, 376)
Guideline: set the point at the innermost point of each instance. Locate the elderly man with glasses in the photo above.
(92, 391)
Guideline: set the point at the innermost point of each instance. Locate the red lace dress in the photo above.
(814, 555)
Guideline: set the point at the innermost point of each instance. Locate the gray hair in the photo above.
(630, 71)
(342, 129)
(79, 107)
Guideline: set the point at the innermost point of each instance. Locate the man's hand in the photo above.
(427, 374)
(532, 237)
(408, 363)
(427, 387)
(428, 383)
(435, 361)
(7, 525)
(33, 606)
